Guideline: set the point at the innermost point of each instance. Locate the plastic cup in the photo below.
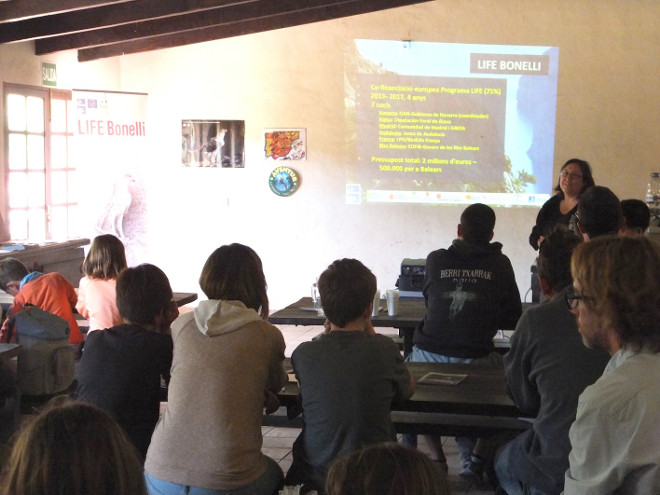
(376, 303)
(319, 307)
(392, 302)
(316, 299)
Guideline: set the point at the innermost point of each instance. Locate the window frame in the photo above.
(48, 95)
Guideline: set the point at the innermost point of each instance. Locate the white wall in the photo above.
(607, 113)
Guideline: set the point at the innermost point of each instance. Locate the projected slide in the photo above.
(450, 123)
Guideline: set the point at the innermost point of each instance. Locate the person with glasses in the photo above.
(547, 369)
(599, 213)
(574, 178)
(615, 438)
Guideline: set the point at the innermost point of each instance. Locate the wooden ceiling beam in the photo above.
(241, 28)
(15, 10)
(181, 23)
(105, 16)
(214, 24)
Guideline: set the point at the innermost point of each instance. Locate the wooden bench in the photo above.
(454, 425)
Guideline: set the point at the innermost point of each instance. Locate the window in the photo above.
(40, 180)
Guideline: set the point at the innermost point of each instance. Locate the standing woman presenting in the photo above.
(574, 178)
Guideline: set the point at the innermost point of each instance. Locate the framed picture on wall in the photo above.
(213, 143)
(285, 144)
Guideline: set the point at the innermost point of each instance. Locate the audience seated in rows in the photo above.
(122, 366)
(348, 378)
(209, 437)
(547, 368)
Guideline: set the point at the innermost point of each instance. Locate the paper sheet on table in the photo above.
(442, 379)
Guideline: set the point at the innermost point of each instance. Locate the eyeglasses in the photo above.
(573, 299)
(570, 175)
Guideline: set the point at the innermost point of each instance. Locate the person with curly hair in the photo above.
(615, 438)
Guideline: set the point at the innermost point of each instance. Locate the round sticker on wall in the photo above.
(283, 181)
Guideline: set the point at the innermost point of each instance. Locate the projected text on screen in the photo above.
(450, 123)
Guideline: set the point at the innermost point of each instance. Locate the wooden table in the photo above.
(8, 351)
(479, 405)
(5, 300)
(411, 312)
(10, 395)
(301, 312)
(182, 298)
(65, 258)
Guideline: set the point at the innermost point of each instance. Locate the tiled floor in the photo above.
(278, 441)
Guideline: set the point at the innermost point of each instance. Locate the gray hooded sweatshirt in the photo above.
(225, 357)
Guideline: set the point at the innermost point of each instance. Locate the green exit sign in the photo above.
(48, 74)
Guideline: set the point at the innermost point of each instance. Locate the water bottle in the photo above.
(316, 299)
(653, 191)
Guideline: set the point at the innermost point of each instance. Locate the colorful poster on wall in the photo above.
(213, 143)
(285, 144)
(111, 154)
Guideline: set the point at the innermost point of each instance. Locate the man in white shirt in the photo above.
(615, 438)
